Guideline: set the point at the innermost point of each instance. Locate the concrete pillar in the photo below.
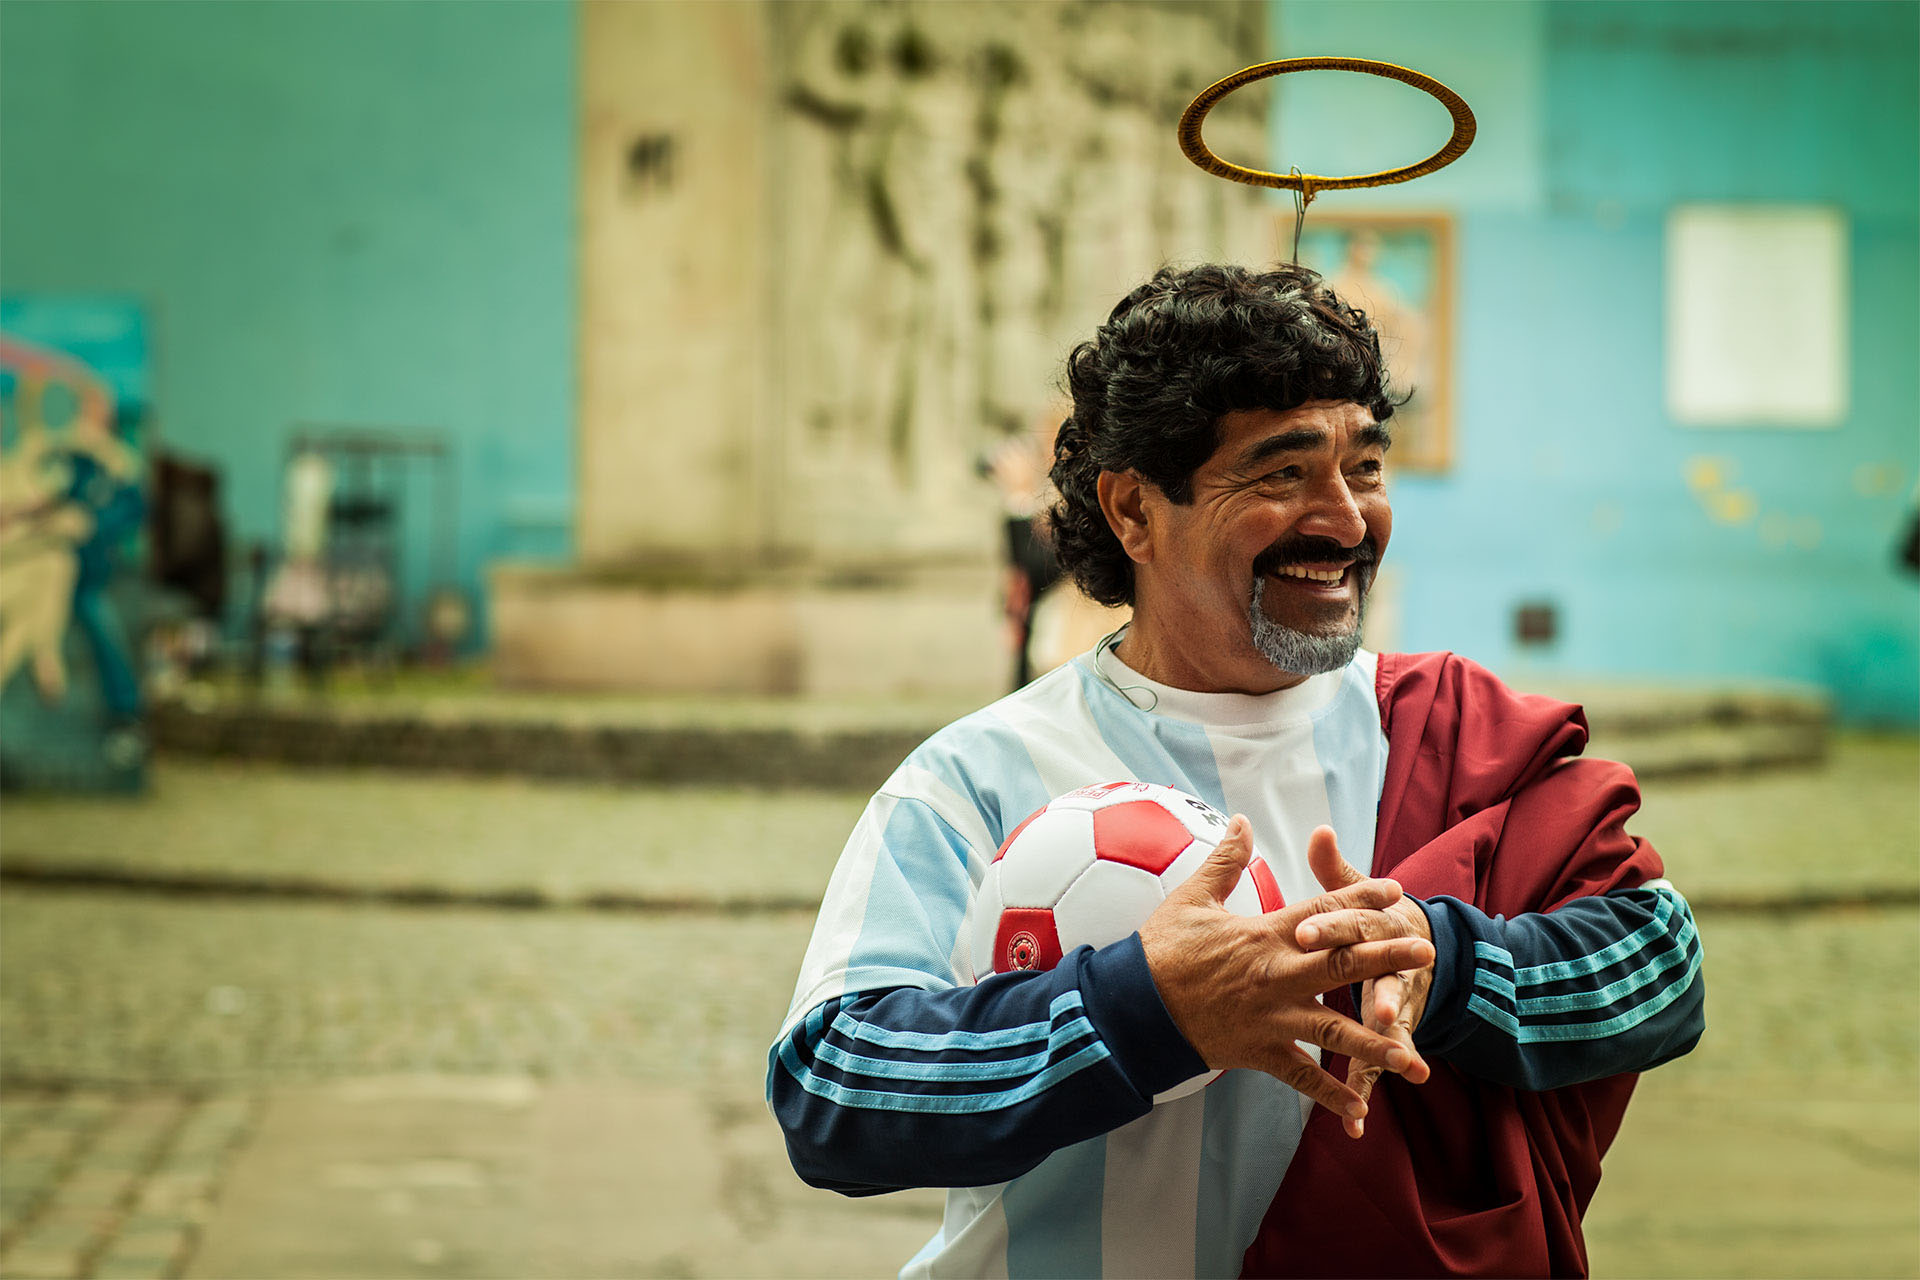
(832, 251)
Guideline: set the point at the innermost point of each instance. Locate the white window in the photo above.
(1757, 315)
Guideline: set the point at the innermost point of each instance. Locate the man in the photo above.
(1222, 471)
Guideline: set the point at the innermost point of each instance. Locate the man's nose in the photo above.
(1335, 514)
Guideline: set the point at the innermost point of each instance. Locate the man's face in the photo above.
(1261, 579)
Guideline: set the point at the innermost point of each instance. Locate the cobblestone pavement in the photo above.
(127, 991)
(167, 1064)
(142, 1036)
(113, 1185)
(118, 989)
(165, 1021)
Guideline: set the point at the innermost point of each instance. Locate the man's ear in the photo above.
(1122, 501)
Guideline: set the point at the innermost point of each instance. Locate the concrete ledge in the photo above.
(934, 630)
(748, 755)
(848, 744)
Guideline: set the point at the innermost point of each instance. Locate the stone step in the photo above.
(826, 745)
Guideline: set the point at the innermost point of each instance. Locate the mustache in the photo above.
(1314, 551)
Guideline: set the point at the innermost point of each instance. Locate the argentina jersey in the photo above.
(1181, 1190)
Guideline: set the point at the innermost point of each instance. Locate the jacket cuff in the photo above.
(1444, 1021)
(1127, 1012)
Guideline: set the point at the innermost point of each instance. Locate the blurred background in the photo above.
(486, 490)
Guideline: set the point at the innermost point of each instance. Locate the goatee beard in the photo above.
(1297, 651)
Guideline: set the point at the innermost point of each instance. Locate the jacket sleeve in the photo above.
(1602, 985)
(973, 1085)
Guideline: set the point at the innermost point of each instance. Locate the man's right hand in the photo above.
(1242, 991)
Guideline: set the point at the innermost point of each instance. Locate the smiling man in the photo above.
(1420, 1073)
(1260, 574)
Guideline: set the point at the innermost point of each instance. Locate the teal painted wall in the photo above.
(1570, 480)
(336, 212)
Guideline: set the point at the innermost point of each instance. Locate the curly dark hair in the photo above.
(1179, 352)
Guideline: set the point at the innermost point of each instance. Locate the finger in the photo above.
(1344, 928)
(1366, 895)
(1384, 1002)
(1308, 1078)
(1337, 1034)
(1404, 986)
(1323, 856)
(1360, 1079)
(1388, 998)
(1341, 966)
(1416, 1071)
(1220, 872)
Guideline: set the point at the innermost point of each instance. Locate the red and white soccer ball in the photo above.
(1088, 868)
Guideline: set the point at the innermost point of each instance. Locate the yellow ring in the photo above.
(1308, 183)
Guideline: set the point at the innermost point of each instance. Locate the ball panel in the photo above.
(1202, 819)
(1271, 899)
(1026, 939)
(1245, 898)
(1055, 848)
(1140, 833)
(986, 914)
(1106, 904)
(1015, 833)
(1101, 794)
(1185, 865)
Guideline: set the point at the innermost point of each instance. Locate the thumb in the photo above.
(1331, 869)
(1221, 871)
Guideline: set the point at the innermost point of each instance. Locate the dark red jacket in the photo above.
(1483, 801)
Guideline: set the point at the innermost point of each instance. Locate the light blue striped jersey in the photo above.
(1180, 1191)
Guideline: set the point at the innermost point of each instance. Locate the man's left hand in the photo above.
(1391, 1005)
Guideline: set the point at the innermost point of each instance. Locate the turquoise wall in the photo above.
(358, 213)
(364, 213)
(1570, 481)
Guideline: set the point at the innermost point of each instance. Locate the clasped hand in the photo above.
(1244, 989)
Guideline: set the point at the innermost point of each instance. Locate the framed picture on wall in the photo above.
(1398, 268)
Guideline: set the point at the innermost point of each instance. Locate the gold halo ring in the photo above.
(1309, 183)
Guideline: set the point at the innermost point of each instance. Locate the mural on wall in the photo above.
(967, 191)
(73, 393)
(1398, 268)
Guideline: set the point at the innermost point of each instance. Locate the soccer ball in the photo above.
(1088, 867)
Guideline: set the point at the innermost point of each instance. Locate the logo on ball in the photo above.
(1023, 950)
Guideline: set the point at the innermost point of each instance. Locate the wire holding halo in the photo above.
(1301, 199)
(1309, 185)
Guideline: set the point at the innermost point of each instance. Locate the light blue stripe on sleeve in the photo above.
(1503, 991)
(1536, 1033)
(1560, 970)
(1495, 984)
(942, 1103)
(1353, 759)
(1490, 953)
(936, 1041)
(1648, 973)
(1495, 992)
(990, 1069)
